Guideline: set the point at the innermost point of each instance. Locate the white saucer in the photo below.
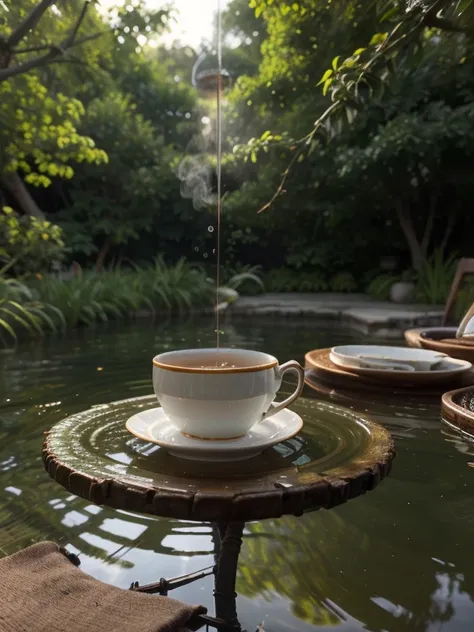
(445, 370)
(385, 357)
(154, 427)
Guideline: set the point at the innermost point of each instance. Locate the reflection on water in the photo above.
(397, 559)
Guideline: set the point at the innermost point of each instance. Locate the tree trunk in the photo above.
(429, 224)
(104, 251)
(15, 185)
(406, 224)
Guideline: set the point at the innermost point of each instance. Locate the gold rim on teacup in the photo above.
(217, 369)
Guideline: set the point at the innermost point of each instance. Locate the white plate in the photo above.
(386, 358)
(446, 370)
(153, 426)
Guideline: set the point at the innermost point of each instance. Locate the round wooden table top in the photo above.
(337, 456)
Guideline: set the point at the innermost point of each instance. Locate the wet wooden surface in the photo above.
(338, 456)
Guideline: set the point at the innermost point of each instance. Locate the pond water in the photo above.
(397, 559)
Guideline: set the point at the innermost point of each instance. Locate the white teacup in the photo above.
(466, 328)
(220, 394)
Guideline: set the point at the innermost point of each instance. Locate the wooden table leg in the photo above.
(226, 572)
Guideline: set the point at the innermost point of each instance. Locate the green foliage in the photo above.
(39, 132)
(102, 94)
(435, 278)
(181, 286)
(391, 149)
(121, 293)
(379, 288)
(354, 119)
(28, 244)
(123, 197)
(245, 278)
(343, 282)
(22, 314)
(288, 280)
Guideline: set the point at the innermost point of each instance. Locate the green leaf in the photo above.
(351, 114)
(378, 38)
(335, 61)
(326, 86)
(253, 156)
(238, 279)
(28, 316)
(8, 328)
(326, 76)
(388, 15)
(42, 316)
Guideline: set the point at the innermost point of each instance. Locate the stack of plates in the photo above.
(387, 365)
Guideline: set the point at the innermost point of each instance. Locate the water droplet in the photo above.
(196, 249)
(205, 255)
(210, 229)
(214, 251)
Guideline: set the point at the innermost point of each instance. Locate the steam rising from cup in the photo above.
(195, 173)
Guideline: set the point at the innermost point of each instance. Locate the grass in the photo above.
(121, 293)
(435, 278)
(46, 303)
(22, 313)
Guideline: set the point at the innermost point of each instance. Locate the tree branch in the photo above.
(12, 71)
(433, 18)
(68, 42)
(447, 232)
(28, 23)
(87, 38)
(54, 51)
(31, 49)
(429, 224)
(325, 115)
(435, 22)
(408, 230)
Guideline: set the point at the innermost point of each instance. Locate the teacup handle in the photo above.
(465, 321)
(294, 367)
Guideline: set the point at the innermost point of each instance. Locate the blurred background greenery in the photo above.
(351, 124)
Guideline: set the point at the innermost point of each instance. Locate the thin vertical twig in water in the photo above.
(219, 159)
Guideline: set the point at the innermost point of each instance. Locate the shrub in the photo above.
(343, 282)
(28, 244)
(379, 288)
(435, 278)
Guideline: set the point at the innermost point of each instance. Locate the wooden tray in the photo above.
(457, 409)
(318, 362)
(347, 395)
(413, 338)
(440, 339)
